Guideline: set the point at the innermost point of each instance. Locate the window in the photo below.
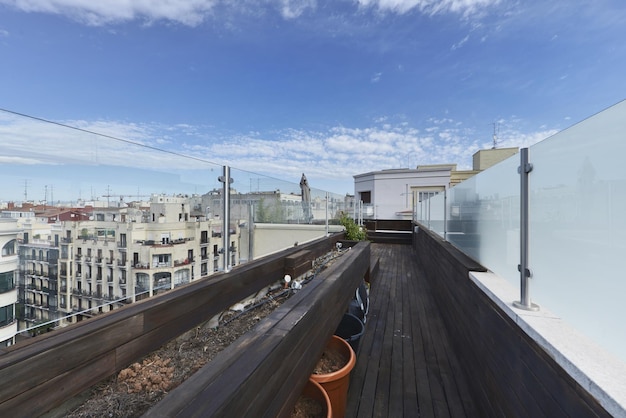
(366, 197)
(8, 249)
(7, 282)
(6, 315)
(143, 281)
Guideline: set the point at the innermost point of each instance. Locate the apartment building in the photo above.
(38, 280)
(8, 289)
(82, 268)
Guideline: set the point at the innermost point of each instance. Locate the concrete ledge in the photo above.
(599, 372)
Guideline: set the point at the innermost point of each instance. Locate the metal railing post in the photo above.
(327, 203)
(225, 178)
(445, 214)
(525, 274)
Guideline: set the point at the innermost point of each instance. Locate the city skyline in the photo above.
(278, 88)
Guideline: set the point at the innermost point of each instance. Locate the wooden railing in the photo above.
(40, 374)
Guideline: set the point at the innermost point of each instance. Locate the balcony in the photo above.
(163, 264)
(185, 262)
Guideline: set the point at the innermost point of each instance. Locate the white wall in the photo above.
(391, 190)
(271, 238)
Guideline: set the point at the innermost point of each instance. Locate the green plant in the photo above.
(261, 212)
(353, 231)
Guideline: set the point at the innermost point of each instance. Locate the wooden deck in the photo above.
(405, 367)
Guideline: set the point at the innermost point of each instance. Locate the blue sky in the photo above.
(281, 87)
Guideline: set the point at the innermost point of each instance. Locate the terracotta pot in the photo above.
(336, 383)
(315, 391)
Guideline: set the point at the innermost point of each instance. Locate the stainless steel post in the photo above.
(445, 214)
(525, 274)
(327, 203)
(225, 178)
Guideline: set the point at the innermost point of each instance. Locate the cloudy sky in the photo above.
(280, 87)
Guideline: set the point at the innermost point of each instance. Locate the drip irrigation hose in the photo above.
(287, 292)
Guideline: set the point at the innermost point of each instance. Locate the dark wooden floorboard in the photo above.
(405, 364)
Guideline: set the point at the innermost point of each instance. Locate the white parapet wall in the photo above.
(271, 238)
(596, 370)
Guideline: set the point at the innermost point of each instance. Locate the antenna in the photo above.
(108, 195)
(496, 130)
(26, 190)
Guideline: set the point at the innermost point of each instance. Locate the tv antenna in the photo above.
(26, 190)
(496, 131)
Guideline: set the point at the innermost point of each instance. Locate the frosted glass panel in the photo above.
(483, 218)
(577, 207)
(430, 211)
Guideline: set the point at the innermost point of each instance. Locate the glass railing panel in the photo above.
(387, 211)
(275, 214)
(577, 200)
(431, 213)
(483, 218)
(133, 175)
(49, 163)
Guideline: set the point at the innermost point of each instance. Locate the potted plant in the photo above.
(333, 373)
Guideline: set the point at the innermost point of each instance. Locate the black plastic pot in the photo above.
(351, 329)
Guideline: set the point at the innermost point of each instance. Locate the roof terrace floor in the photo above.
(405, 364)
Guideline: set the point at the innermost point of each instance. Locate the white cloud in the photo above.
(195, 154)
(376, 77)
(4, 33)
(465, 8)
(460, 43)
(187, 12)
(194, 12)
(291, 9)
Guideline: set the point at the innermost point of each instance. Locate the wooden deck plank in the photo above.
(405, 365)
(363, 379)
(409, 339)
(424, 400)
(396, 388)
(380, 376)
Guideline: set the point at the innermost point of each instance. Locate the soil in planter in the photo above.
(308, 408)
(331, 361)
(135, 389)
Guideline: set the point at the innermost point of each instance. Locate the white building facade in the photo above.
(392, 194)
(77, 269)
(8, 281)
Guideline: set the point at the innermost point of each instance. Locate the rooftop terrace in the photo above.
(443, 336)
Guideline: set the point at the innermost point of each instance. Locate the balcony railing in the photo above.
(573, 224)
